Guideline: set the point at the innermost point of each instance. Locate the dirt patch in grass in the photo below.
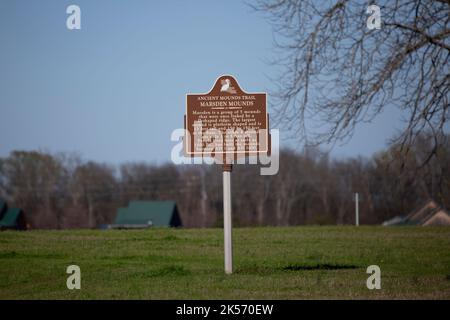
(171, 238)
(255, 269)
(172, 270)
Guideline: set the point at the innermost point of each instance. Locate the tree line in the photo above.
(58, 191)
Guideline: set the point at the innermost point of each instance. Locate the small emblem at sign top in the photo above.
(226, 86)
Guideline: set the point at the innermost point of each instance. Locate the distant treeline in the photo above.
(63, 191)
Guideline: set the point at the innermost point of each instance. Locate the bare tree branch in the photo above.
(336, 73)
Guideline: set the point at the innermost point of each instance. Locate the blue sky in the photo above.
(115, 90)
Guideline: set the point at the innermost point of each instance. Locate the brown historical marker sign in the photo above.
(226, 122)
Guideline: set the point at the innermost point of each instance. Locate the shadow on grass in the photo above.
(263, 270)
(170, 271)
(15, 255)
(319, 266)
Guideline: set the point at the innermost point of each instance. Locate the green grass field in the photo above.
(270, 263)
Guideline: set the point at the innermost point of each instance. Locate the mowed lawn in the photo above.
(270, 263)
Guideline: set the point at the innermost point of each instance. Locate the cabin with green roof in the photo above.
(429, 214)
(11, 218)
(3, 208)
(144, 214)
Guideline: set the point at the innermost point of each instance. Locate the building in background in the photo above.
(429, 214)
(11, 218)
(3, 208)
(145, 214)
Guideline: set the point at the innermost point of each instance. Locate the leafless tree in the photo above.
(35, 182)
(63, 191)
(93, 187)
(338, 73)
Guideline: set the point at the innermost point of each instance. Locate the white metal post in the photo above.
(228, 244)
(357, 209)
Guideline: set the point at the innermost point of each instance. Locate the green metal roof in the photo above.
(2, 208)
(10, 217)
(156, 213)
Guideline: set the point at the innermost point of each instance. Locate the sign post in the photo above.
(227, 224)
(225, 124)
(357, 209)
